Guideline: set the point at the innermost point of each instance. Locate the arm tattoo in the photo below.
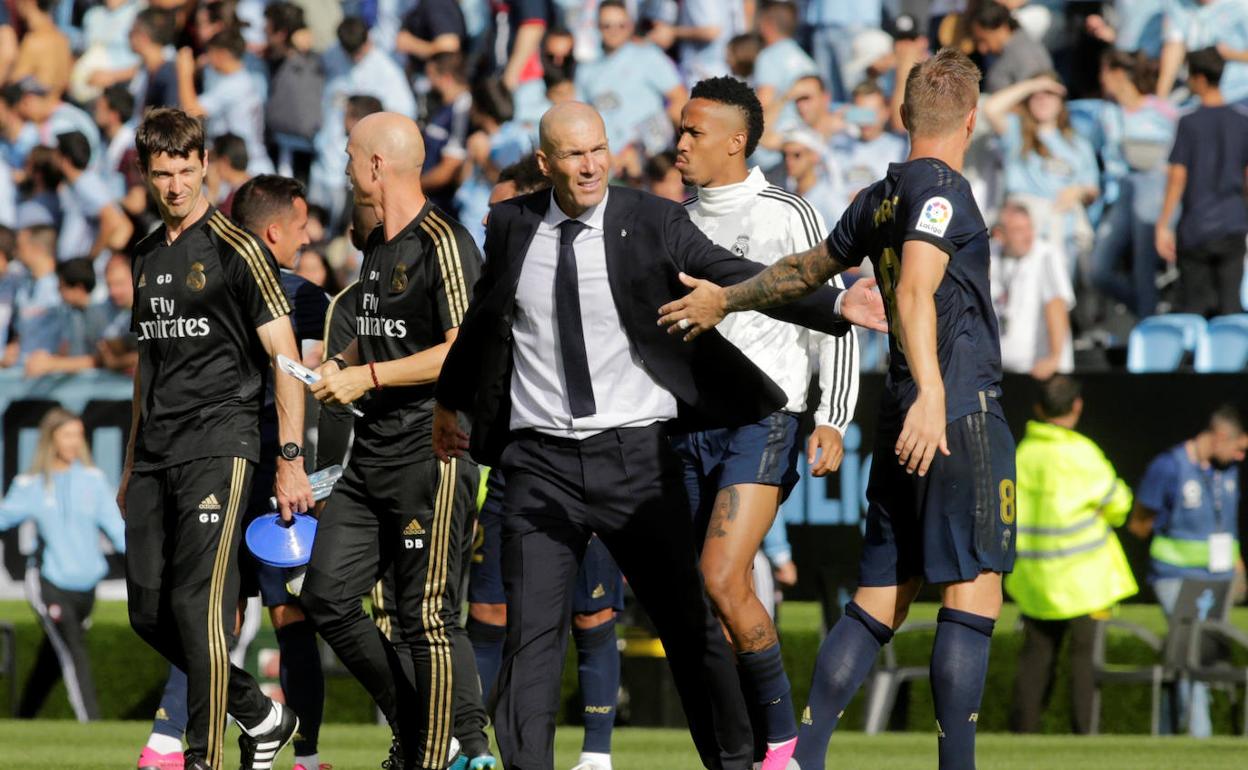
(791, 278)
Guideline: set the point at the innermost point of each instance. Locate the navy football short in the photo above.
(953, 523)
(599, 584)
(764, 452)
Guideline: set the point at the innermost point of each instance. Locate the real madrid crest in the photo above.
(742, 247)
(196, 280)
(398, 279)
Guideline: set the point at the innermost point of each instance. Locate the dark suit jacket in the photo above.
(648, 241)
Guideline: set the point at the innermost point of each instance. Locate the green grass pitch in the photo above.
(44, 745)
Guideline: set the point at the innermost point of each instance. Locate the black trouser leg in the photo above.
(347, 557)
(1197, 290)
(637, 489)
(470, 718)
(1228, 268)
(182, 536)
(427, 583)
(1082, 673)
(542, 549)
(1037, 663)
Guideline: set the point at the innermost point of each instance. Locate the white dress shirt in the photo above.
(625, 393)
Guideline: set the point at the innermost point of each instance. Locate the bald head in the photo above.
(385, 154)
(574, 155)
(567, 119)
(392, 137)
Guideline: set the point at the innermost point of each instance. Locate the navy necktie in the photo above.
(568, 317)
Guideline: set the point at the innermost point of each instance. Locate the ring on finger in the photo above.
(683, 323)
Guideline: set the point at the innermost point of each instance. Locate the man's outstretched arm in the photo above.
(788, 279)
(785, 281)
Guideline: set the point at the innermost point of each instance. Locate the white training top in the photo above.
(761, 222)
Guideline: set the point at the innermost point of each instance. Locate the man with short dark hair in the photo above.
(1071, 570)
(92, 222)
(736, 478)
(446, 133)
(112, 112)
(1208, 164)
(153, 32)
(296, 84)
(634, 85)
(1188, 503)
(943, 460)
(231, 102)
(35, 325)
(82, 323)
(207, 302)
(368, 70)
(1018, 56)
(227, 170)
(275, 210)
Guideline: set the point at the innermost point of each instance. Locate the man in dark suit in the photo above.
(572, 389)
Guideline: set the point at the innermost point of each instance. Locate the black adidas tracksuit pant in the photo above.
(182, 535)
(470, 720)
(409, 519)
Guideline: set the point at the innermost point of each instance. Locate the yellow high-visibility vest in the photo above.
(1069, 561)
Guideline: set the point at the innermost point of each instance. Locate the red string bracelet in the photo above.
(373, 371)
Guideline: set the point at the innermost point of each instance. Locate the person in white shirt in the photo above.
(749, 470)
(231, 105)
(864, 150)
(1032, 295)
(365, 70)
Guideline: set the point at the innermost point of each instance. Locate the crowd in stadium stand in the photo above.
(1087, 108)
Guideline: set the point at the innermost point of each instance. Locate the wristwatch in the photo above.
(291, 451)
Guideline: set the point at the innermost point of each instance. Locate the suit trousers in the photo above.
(627, 486)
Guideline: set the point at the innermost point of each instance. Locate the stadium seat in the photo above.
(1224, 347)
(1158, 343)
(887, 679)
(1104, 673)
(1217, 672)
(1201, 608)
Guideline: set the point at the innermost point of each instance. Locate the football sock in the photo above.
(164, 744)
(171, 714)
(311, 761)
(599, 760)
(768, 686)
(487, 645)
(845, 658)
(959, 667)
(755, 713)
(268, 723)
(598, 668)
(303, 682)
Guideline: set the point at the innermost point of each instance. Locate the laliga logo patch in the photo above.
(196, 280)
(935, 217)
